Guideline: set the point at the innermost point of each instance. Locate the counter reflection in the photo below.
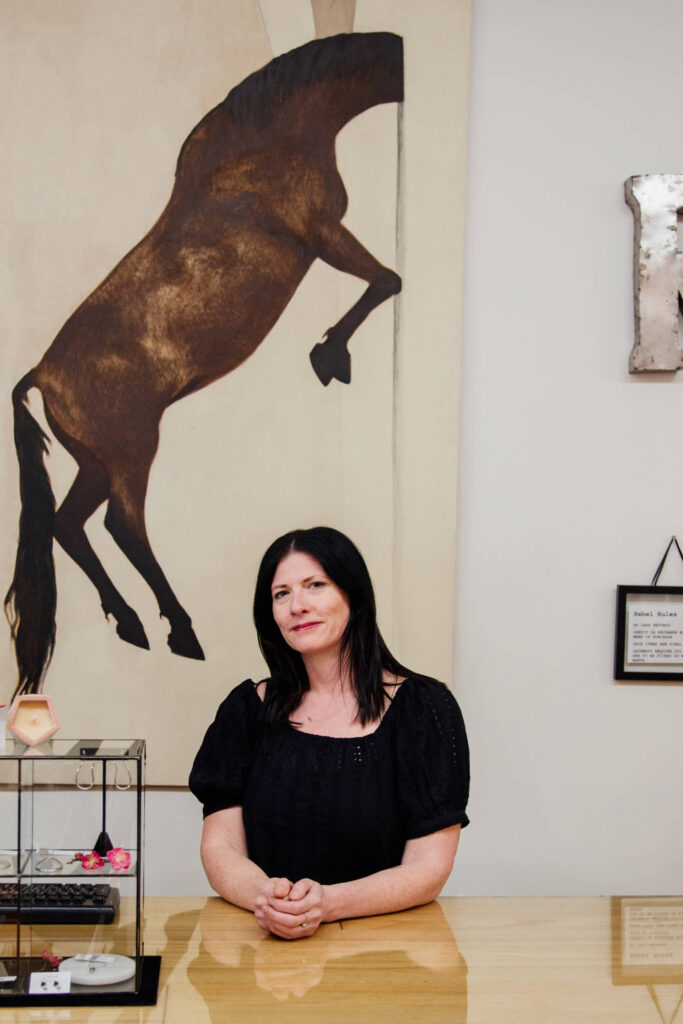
(400, 967)
(647, 949)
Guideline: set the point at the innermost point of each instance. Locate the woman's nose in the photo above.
(298, 601)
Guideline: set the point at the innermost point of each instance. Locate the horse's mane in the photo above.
(255, 100)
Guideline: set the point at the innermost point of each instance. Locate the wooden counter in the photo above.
(480, 961)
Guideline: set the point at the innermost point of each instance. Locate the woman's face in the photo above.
(310, 610)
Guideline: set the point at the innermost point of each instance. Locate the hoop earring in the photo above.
(90, 784)
(125, 768)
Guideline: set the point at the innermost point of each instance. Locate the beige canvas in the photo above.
(97, 99)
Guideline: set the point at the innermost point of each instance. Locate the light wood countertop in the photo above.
(480, 961)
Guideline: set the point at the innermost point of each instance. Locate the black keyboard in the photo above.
(59, 903)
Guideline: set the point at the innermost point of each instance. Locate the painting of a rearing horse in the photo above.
(257, 198)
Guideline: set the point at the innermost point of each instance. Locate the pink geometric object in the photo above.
(33, 719)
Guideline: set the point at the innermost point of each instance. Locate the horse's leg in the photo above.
(338, 247)
(125, 520)
(88, 491)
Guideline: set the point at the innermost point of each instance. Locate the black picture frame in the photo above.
(664, 664)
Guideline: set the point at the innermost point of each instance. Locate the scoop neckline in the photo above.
(342, 739)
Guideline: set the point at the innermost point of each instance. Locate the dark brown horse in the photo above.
(257, 198)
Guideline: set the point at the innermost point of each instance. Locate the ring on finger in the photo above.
(304, 923)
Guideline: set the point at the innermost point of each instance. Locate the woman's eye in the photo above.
(315, 584)
(279, 594)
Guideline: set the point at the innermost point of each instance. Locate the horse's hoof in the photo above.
(132, 631)
(320, 364)
(183, 641)
(330, 361)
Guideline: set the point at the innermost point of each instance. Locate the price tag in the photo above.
(47, 983)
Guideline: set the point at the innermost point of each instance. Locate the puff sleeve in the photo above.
(433, 771)
(221, 767)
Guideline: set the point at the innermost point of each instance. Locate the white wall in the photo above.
(173, 830)
(571, 471)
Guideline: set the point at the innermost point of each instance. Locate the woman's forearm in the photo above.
(393, 889)
(231, 874)
(418, 879)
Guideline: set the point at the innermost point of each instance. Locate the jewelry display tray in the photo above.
(72, 815)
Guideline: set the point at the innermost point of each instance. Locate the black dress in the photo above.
(335, 809)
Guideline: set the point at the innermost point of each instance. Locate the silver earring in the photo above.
(124, 767)
(91, 783)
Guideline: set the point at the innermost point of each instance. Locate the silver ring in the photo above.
(92, 776)
(304, 923)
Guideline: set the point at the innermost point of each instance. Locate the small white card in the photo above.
(655, 633)
(98, 958)
(47, 983)
(5, 979)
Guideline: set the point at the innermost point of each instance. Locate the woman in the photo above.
(337, 787)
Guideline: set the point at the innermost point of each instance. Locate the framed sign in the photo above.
(649, 634)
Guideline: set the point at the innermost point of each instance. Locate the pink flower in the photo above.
(119, 858)
(91, 861)
(54, 961)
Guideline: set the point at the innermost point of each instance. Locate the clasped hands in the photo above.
(289, 910)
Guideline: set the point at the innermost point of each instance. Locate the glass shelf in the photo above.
(71, 866)
(76, 750)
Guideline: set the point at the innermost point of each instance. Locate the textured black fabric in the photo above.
(336, 809)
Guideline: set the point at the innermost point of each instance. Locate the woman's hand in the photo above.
(291, 911)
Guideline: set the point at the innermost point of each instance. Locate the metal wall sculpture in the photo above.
(656, 200)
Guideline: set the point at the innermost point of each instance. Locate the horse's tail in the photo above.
(31, 600)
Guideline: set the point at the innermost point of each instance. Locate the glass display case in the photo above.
(71, 874)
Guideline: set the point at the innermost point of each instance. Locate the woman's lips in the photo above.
(305, 625)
